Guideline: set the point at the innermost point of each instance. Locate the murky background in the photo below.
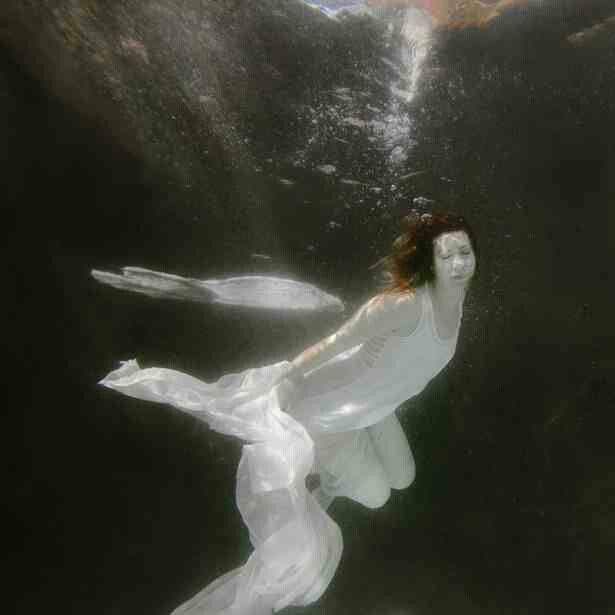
(221, 138)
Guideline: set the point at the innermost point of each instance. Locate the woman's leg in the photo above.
(324, 499)
(374, 490)
(393, 451)
(349, 466)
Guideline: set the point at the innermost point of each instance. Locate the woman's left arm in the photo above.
(379, 315)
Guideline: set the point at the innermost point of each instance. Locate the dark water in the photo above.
(125, 507)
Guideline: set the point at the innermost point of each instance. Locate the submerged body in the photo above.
(341, 425)
(347, 404)
(331, 411)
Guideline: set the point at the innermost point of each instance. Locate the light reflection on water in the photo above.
(408, 35)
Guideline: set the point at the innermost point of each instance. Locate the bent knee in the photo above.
(374, 495)
(404, 479)
(377, 500)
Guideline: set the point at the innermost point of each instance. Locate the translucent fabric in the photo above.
(340, 425)
(256, 291)
(297, 546)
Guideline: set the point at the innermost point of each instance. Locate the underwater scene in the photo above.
(309, 309)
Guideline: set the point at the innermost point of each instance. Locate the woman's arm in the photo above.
(381, 314)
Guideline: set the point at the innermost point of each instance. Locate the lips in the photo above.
(460, 276)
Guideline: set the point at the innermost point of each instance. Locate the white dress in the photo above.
(346, 404)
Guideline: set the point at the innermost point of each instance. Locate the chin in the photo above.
(464, 281)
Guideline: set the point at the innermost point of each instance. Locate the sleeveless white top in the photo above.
(366, 383)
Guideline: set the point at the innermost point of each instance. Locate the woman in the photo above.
(330, 410)
(345, 389)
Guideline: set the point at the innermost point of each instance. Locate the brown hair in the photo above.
(411, 261)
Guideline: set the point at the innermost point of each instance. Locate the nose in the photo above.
(458, 263)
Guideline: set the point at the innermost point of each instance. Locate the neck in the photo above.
(447, 296)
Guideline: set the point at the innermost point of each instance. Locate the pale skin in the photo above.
(454, 266)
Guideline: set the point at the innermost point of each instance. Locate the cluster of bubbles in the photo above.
(409, 36)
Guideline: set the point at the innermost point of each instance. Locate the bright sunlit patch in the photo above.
(332, 8)
(409, 35)
(443, 12)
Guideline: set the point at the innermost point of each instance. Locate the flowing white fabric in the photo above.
(255, 291)
(354, 381)
(297, 546)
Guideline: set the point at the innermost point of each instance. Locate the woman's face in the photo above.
(454, 259)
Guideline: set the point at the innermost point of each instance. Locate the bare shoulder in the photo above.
(400, 300)
(402, 309)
